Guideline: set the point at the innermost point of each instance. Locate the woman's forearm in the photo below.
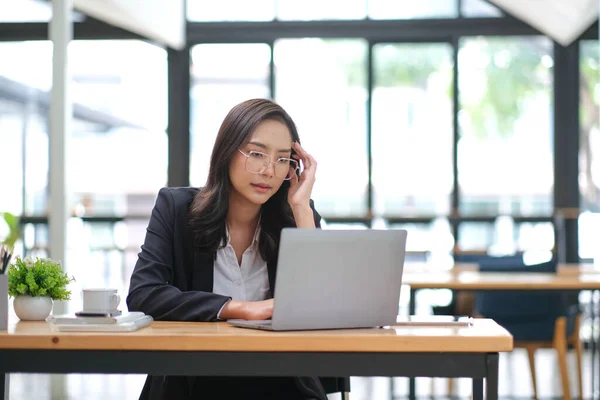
(304, 217)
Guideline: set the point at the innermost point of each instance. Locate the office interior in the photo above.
(457, 120)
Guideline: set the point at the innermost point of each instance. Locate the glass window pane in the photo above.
(535, 236)
(505, 156)
(504, 236)
(322, 84)
(25, 11)
(125, 104)
(223, 75)
(385, 9)
(479, 9)
(25, 79)
(434, 239)
(475, 236)
(11, 137)
(589, 232)
(230, 10)
(412, 108)
(342, 226)
(36, 159)
(589, 154)
(28, 63)
(321, 9)
(29, 11)
(35, 240)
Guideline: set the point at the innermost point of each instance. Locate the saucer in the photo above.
(114, 313)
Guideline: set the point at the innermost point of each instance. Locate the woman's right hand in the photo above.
(249, 310)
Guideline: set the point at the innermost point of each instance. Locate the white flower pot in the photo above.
(30, 308)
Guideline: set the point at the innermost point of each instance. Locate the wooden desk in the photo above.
(175, 348)
(562, 269)
(571, 277)
(475, 280)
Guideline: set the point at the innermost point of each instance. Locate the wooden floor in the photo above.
(514, 383)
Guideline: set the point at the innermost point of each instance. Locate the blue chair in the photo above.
(536, 319)
(463, 302)
(477, 257)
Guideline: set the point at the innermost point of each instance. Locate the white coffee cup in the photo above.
(100, 300)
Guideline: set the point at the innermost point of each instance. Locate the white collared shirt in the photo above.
(246, 282)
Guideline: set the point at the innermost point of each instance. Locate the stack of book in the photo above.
(126, 322)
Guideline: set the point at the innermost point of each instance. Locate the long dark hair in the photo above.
(208, 211)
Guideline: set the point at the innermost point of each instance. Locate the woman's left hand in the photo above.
(301, 189)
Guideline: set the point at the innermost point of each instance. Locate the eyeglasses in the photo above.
(257, 163)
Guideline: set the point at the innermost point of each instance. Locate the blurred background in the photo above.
(470, 126)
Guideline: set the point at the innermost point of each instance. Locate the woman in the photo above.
(211, 253)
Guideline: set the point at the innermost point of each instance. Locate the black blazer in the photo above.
(173, 282)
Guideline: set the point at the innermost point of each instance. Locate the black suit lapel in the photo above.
(272, 270)
(202, 275)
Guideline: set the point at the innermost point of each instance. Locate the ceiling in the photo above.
(562, 20)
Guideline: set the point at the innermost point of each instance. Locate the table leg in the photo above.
(592, 340)
(411, 302)
(4, 387)
(412, 387)
(594, 346)
(491, 376)
(477, 389)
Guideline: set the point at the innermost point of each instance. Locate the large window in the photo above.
(117, 107)
(412, 118)
(322, 84)
(505, 156)
(128, 99)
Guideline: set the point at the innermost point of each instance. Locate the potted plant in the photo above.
(35, 284)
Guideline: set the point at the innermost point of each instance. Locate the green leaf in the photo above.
(39, 277)
(13, 229)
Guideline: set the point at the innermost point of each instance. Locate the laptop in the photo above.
(334, 279)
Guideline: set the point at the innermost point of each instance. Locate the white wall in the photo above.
(159, 20)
